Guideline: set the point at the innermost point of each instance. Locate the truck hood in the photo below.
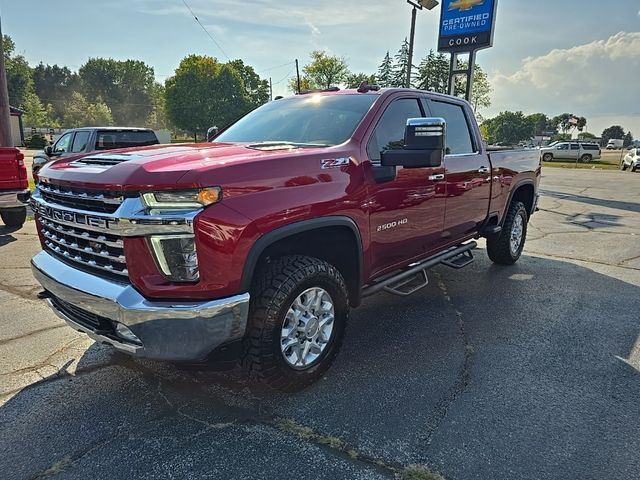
(158, 166)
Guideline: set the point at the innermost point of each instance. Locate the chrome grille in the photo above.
(93, 250)
(104, 201)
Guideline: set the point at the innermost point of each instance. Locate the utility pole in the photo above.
(429, 5)
(270, 90)
(5, 116)
(298, 74)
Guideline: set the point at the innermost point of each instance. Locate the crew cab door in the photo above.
(467, 172)
(406, 213)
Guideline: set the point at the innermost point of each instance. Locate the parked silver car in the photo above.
(573, 151)
(631, 160)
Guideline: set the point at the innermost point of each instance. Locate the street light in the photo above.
(429, 5)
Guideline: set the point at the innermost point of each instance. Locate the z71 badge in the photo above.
(334, 162)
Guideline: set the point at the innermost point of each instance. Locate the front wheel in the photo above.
(297, 317)
(506, 247)
(14, 217)
(547, 157)
(623, 166)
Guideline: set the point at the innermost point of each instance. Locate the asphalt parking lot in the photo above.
(523, 372)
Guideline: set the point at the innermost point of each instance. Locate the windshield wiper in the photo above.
(277, 144)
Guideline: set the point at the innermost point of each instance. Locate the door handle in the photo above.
(483, 170)
(437, 177)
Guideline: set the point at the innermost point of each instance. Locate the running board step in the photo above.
(460, 261)
(414, 277)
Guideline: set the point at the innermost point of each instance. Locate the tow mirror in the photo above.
(48, 150)
(212, 133)
(424, 144)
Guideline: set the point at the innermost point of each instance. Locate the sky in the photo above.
(550, 56)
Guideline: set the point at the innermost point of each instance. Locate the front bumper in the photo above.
(166, 330)
(14, 198)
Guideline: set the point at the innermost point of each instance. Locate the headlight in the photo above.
(182, 199)
(176, 257)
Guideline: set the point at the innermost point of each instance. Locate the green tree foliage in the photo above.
(385, 71)
(257, 88)
(324, 71)
(125, 86)
(355, 79)
(203, 93)
(568, 122)
(158, 117)
(540, 123)
(433, 73)
(54, 85)
(627, 139)
(36, 114)
(615, 131)
(79, 112)
(19, 74)
(481, 92)
(507, 127)
(400, 65)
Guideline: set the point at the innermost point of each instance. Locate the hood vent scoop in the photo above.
(105, 160)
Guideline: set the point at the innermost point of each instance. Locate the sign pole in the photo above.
(5, 115)
(411, 39)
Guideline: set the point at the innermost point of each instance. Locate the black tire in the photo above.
(547, 157)
(14, 217)
(586, 158)
(623, 166)
(633, 168)
(277, 285)
(499, 246)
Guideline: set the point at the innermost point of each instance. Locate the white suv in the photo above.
(631, 160)
(583, 152)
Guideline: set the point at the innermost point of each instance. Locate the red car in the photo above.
(14, 187)
(257, 246)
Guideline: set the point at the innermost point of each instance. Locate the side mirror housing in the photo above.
(212, 133)
(48, 150)
(424, 145)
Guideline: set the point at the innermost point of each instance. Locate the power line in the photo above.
(288, 75)
(277, 66)
(205, 30)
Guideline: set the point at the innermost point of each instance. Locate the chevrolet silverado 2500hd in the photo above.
(260, 242)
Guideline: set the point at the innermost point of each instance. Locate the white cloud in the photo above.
(597, 79)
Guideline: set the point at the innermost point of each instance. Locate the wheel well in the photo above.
(524, 194)
(337, 245)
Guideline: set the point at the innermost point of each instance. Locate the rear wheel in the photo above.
(298, 313)
(623, 166)
(14, 217)
(586, 158)
(506, 247)
(633, 167)
(547, 157)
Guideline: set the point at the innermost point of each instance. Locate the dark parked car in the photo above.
(80, 141)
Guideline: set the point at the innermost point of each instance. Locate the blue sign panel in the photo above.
(466, 25)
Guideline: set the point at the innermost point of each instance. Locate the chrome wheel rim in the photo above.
(307, 328)
(516, 234)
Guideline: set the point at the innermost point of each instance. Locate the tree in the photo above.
(19, 74)
(627, 140)
(125, 86)
(355, 79)
(540, 124)
(401, 64)
(385, 71)
(203, 93)
(566, 122)
(158, 117)
(81, 113)
(324, 71)
(586, 136)
(36, 114)
(257, 88)
(507, 127)
(481, 92)
(433, 73)
(54, 84)
(615, 131)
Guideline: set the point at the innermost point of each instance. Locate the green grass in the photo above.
(32, 185)
(596, 164)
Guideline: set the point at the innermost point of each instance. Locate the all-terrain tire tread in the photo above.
(498, 247)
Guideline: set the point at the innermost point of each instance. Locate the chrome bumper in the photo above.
(14, 198)
(167, 330)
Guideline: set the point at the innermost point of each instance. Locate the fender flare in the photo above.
(285, 231)
(521, 183)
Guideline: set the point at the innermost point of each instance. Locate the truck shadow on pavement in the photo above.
(527, 372)
(627, 206)
(5, 234)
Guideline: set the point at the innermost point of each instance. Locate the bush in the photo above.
(36, 141)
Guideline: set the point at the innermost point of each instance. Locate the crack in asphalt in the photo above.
(31, 333)
(18, 292)
(464, 374)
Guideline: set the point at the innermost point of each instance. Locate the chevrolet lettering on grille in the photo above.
(73, 217)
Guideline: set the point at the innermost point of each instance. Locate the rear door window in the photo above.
(110, 139)
(457, 134)
(575, 146)
(80, 141)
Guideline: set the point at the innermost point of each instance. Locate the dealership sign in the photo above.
(466, 25)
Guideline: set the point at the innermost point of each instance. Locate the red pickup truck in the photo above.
(257, 245)
(14, 187)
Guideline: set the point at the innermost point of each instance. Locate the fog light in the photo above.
(176, 257)
(127, 334)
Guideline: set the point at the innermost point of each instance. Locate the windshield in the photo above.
(310, 120)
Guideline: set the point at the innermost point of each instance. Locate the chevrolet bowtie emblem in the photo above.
(463, 5)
